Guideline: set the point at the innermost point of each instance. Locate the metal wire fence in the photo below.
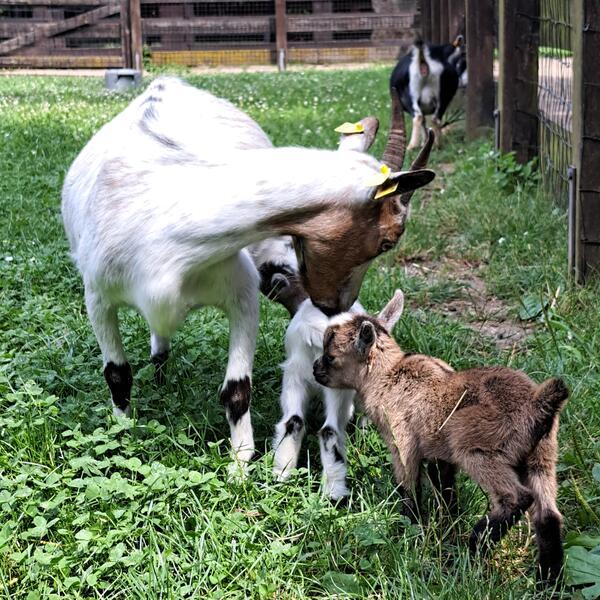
(555, 95)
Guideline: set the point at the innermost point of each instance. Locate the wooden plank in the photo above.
(456, 18)
(126, 35)
(281, 34)
(434, 11)
(55, 3)
(45, 30)
(135, 22)
(444, 22)
(586, 137)
(62, 62)
(480, 61)
(425, 19)
(518, 37)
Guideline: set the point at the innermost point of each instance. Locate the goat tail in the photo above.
(551, 395)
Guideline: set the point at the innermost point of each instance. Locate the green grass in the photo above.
(143, 509)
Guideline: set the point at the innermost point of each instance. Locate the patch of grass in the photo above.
(144, 509)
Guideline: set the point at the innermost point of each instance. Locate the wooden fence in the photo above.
(549, 107)
(114, 33)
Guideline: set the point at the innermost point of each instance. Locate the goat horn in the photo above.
(393, 155)
(420, 162)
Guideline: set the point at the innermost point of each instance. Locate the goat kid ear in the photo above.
(459, 41)
(360, 141)
(404, 181)
(366, 338)
(392, 311)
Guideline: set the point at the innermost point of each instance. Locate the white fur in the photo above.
(161, 202)
(303, 345)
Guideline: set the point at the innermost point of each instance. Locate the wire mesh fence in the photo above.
(555, 95)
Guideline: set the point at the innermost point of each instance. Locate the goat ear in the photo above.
(403, 182)
(392, 311)
(362, 141)
(459, 41)
(366, 338)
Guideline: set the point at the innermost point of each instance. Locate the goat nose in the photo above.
(328, 311)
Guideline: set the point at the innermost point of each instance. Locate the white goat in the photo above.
(303, 345)
(160, 204)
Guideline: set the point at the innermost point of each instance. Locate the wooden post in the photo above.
(434, 8)
(480, 64)
(281, 34)
(518, 37)
(426, 20)
(126, 35)
(586, 136)
(444, 22)
(135, 16)
(456, 18)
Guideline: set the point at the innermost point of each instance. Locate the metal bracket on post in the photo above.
(572, 222)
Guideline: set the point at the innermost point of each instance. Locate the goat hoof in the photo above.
(119, 412)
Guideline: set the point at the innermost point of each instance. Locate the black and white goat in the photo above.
(426, 80)
(161, 203)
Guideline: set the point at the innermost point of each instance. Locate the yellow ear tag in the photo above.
(386, 191)
(350, 128)
(383, 175)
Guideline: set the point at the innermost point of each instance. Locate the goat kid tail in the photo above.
(548, 401)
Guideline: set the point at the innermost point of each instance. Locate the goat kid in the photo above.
(160, 204)
(493, 422)
(303, 344)
(426, 80)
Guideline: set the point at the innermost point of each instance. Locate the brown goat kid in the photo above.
(493, 422)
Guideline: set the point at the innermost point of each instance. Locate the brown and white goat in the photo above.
(493, 422)
(161, 204)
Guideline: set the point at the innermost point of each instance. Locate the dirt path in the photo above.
(473, 305)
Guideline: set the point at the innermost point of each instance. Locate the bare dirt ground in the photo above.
(474, 306)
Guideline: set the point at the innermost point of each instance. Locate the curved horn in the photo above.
(393, 155)
(420, 163)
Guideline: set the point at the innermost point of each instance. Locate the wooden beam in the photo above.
(281, 34)
(135, 22)
(46, 30)
(434, 11)
(456, 18)
(480, 64)
(426, 20)
(126, 35)
(586, 136)
(444, 22)
(518, 37)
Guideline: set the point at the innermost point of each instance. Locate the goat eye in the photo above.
(386, 245)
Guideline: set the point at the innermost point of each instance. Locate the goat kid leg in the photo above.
(442, 475)
(339, 408)
(290, 430)
(406, 463)
(159, 353)
(241, 306)
(509, 497)
(415, 134)
(547, 520)
(436, 124)
(117, 372)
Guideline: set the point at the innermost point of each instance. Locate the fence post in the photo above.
(518, 41)
(444, 22)
(456, 18)
(126, 35)
(434, 12)
(480, 64)
(281, 34)
(426, 20)
(586, 136)
(135, 16)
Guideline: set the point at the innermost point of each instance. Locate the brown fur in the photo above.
(493, 422)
